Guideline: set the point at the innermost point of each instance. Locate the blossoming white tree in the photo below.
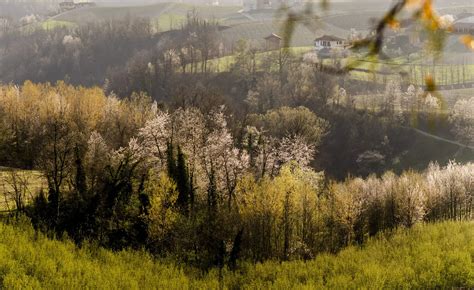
(462, 118)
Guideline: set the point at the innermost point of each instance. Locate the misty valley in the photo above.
(236, 144)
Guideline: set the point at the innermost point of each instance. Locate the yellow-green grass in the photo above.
(364, 70)
(225, 63)
(32, 261)
(423, 257)
(52, 24)
(46, 25)
(426, 256)
(153, 11)
(28, 182)
(415, 73)
(169, 21)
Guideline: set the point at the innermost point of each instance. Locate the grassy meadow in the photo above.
(443, 74)
(225, 63)
(167, 15)
(425, 256)
(52, 24)
(256, 25)
(24, 182)
(423, 150)
(371, 71)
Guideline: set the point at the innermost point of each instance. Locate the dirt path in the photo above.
(167, 8)
(248, 16)
(440, 138)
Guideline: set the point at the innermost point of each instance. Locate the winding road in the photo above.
(440, 138)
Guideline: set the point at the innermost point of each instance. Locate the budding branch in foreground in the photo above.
(421, 11)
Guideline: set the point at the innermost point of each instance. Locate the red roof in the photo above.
(329, 38)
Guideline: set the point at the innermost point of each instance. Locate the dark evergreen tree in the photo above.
(182, 182)
(170, 160)
(178, 171)
(80, 178)
(142, 220)
(212, 196)
(53, 205)
(39, 211)
(235, 252)
(143, 198)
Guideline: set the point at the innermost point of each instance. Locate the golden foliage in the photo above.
(468, 41)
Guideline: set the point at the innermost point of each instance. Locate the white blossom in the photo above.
(154, 137)
(462, 118)
(70, 41)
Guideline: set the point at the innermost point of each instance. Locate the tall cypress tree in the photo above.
(80, 182)
(178, 171)
(212, 196)
(141, 223)
(234, 254)
(170, 160)
(182, 181)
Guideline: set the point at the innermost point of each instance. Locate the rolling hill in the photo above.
(425, 256)
(169, 11)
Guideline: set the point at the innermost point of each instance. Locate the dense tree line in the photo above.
(204, 186)
(205, 167)
(129, 57)
(81, 54)
(129, 54)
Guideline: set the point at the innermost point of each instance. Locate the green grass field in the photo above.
(169, 21)
(426, 256)
(26, 182)
(415, 71)
(52, 24)
(167, 15)
(365, 70)
(423, 150)
(225, 63)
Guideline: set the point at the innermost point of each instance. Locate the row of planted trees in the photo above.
(125, 173)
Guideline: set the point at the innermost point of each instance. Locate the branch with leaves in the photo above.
(420, 11)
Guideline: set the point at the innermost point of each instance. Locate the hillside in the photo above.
(427, 256)
(424, 149)
(169, 15)
(303, 35)
(254, 24)
(221, 144)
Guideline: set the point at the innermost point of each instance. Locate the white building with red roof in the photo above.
(329, 42)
